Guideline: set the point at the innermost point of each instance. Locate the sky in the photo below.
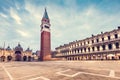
(70, 20)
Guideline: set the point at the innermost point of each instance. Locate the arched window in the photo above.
(24, 58)
(70, 51)
(110, 46)
(88, 42)
(98, 48)
(75, 50)
(81, 50)
(116, 35)
(84, 43)
(93, 48)
(103, 46)
(29, 58)
(9, 58)
(78, 50)
(108, 37)
(97, 40)
(89, 49)
(117, 45)
(92, 41)
(103, 39)
(85, 49)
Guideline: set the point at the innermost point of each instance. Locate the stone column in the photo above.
(95, 49)
(101, 48)
(106, 47)
(113, 46)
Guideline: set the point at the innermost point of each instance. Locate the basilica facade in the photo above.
(103, 46)
(16, 54)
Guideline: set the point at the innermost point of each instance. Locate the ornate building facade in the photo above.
(104, 46)
(16, 54)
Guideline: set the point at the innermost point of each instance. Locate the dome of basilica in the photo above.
(18, 48)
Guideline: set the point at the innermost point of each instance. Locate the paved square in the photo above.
(60, 70)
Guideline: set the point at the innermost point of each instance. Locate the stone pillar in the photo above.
(106, 47)
(101, 48)
(95, 49)
(113, 46)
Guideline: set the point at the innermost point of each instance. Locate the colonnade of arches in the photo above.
(27, 58)
(93, 48)
(4, 58)
(17, 58)
(94, 57)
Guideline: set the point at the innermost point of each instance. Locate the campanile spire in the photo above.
(45, 14)
(45, 50)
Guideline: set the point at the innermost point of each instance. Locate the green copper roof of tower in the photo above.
(45, 14)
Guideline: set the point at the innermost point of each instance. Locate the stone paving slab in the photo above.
(95, 71)
(117, 74)
(60, 70)
(3, 75)
(91, 77)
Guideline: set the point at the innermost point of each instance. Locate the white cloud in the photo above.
(23, 33)
(3, 15)
(91, 11)
(18, 6)
(67, 23)
(15, 16)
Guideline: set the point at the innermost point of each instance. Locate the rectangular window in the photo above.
(97, 40)
(93, 48)
(108, 37)
(85, 49)
(98, 48)
(110, 46)
(116, 35)
(81, 50)
(88, 42)
(81, 44)
(92, 41)
(89, 49)
(117, 45)
(84, 43)
(103, 46)
(102, 39)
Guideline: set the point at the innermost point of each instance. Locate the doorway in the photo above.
(18, 55)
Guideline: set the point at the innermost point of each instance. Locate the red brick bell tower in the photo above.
(45, 53)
